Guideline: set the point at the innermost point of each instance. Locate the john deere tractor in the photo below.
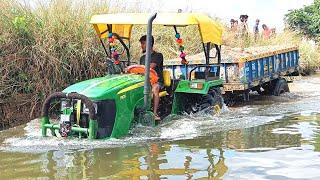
(107, 106)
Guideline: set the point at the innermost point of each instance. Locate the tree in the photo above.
(306, 20)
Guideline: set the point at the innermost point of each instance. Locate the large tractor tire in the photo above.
(281, 86)
(209, 103)
(217, 99)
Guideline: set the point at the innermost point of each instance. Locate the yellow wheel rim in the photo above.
(78, 110)
(217, 109)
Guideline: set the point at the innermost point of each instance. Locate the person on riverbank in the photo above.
(243, 34)
(266, 33)
(256, 30)
(232, 24)
(243, 28)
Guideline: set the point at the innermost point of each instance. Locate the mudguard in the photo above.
(185, 86)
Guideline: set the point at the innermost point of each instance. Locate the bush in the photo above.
(306, 20)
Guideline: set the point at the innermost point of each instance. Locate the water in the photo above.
(267, 138)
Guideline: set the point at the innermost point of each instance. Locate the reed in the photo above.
(42, 50)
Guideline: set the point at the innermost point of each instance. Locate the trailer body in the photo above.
(250, 72)
(242, 73)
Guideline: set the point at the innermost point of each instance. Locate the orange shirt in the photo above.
(266, 33)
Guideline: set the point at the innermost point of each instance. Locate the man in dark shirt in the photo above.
(156, 64)
(256, 30)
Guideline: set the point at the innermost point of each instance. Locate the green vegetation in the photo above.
(306, 20)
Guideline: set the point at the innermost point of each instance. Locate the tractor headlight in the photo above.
(86, 110)
(196, 85)
(64, 104)
(66, 110)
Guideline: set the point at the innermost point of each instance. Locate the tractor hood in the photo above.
(105, 87)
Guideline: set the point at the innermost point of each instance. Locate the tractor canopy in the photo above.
(122, 23)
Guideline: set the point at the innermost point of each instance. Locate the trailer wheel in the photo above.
(230, 99)
(267, 88)
(280, 87)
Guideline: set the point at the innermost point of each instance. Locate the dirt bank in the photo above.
(18, 111)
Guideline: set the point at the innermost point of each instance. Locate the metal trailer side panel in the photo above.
(258, 71)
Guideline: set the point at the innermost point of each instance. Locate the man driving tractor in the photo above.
(108, 106)
(156, 64)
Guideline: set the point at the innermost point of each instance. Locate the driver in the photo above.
(156, 64)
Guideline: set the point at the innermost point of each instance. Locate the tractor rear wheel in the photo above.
(217, 101)
(212, 102)
(196, 102)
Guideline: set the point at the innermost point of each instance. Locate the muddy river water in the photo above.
(267, 138)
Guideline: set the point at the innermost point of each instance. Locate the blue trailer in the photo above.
(266, 72)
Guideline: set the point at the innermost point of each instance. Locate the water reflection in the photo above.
(213, 156)
(202, 157)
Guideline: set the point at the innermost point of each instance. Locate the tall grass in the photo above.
(44, 49)
(165, 40)
(309, 56)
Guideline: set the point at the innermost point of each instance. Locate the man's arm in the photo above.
(153, 65)
(156, 60)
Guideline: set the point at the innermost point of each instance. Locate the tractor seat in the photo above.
(163, 93)
(166, 82)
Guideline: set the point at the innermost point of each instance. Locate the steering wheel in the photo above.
(112, 68)
(140, 69)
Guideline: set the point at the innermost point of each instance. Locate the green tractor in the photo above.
(106, 107)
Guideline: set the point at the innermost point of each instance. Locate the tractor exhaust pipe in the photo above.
(147, 88)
